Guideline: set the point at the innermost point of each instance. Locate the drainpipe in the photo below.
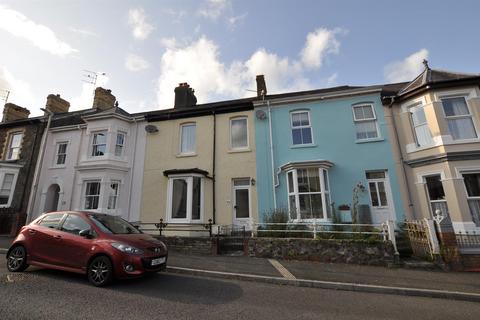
(133, 170)
(38, 165)
(74, 181)
(272, 159)
(409, 194)
(213, 164)
(28, 171)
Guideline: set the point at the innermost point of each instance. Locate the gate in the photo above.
(418, 233)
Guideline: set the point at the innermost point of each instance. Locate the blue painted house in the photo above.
(314, 147)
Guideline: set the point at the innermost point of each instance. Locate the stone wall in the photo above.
(471, 262)
(191, 245)
(337, 251)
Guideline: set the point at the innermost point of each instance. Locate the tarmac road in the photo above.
(46, 294)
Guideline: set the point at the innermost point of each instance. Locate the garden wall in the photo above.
(191, 245)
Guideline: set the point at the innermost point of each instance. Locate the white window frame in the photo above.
(189, 180)
(469, 115)
(84, 194)
(324, 191)
(411, 109)
(187, 124)
(110, 195)
(247, 146)
(475, 198)
(309, 126)
(374, 120)
(423, 178)
(14, 184)
(122, 146)
(57, 153)
(9, 155)
(376, 181)
(92, 145)
(247, 187)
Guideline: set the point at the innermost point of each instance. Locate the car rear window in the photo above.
(51, 220)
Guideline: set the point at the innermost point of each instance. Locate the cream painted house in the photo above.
(200, 163)
(436, 125)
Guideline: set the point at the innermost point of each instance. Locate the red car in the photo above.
(102, 246)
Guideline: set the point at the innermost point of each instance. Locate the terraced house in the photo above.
(93, 160)
(200, 163)
(437, 122)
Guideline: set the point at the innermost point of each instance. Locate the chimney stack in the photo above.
(261, 86)
(103, 99)
(13, 112)
(184, 96)
(56, 104)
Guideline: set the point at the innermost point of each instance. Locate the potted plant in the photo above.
(345, 213)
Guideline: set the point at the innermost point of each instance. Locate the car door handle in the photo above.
(57, 237)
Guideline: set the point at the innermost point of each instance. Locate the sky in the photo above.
(141, 50)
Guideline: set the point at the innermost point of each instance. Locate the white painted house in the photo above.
(93, 161)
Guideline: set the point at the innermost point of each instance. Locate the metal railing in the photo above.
(162, 226)
(321, 230)
(468, 240)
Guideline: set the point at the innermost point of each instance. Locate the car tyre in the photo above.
(100, 271)
(17, 259)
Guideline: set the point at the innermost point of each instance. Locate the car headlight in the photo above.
(126, 248)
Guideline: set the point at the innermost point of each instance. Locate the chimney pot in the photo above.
(184, 96)
(261, 86)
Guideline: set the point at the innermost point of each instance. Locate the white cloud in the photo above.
(137, 19)
(332, 80)
(406, 69)
(199, 64)
(136, 63)
(85, 99)
(212, 9)
(19, 91)
(83, 32)
(39, 35)
(233, 21)
(319, 43)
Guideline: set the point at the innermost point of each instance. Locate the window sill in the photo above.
(369, 140)
(58, 167)
(239, 150)
(296, 146)
(185, 155)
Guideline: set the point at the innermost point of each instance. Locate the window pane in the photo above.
(358, 113)
(113, 195)
(424, 137)
(179, 199)
(305, 206)
(297, 136)
(119, 144)
(62, 148)
(317, 209)
(290, 182)
(6, 188)
(325, 180)
(474, 206)
(304, 119)
(296, 119)
(74, 224)
(373, 193)
(239, 133)
(302, 180)
(51, 220)
(472, 183)
(366, 130)
(306, 135)
(435, 188)
(242, 203)
(241, 182)
(92, 195)
(382, 193)
(292, 206)
(99, 138)
(16, 140)
(188, 138)
(375, 174)
(314, 180)
(455, 106)
(461, 128)
(196, 198)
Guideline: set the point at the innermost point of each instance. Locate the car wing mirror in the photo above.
(86, 233)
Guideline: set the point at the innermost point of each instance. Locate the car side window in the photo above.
(51, 220)
(74, 224)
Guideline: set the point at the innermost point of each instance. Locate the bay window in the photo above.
(113, 194)
(423, 136)
(472, 185)
(365, 122)
(119, 144)
(99, 144)
(7, 187)
(459, 118)
(436, 195)
(185, 199)
(92, 195)
(308, 194)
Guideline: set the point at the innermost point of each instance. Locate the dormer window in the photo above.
(14, 144)
(99, 144)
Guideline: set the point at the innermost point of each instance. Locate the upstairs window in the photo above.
(238, 133)
(365, 122)
(423, 136)
(301, 128)
(120, 144)
(187, 134)
(7, 188)
(459, 119)
(61, 155)
(14, 144)
(92, 195)
(113, 195)
(99, 144)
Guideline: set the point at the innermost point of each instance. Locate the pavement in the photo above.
(433, 284)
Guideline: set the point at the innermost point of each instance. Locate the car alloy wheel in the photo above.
(17, 259)
(100, 271)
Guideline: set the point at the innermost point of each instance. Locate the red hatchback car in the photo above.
(102, 246)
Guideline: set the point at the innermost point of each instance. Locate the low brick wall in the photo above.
(191, 245)
(470, 261)
(338, 251)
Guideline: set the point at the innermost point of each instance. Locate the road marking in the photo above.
(283, 271)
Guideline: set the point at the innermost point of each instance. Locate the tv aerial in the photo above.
(4, 93)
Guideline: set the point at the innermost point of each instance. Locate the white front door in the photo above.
(381, 200)
(241, 203)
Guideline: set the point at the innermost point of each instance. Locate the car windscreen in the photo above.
(112, 224)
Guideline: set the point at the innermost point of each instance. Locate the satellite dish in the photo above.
(260, 114)
(151, 128)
